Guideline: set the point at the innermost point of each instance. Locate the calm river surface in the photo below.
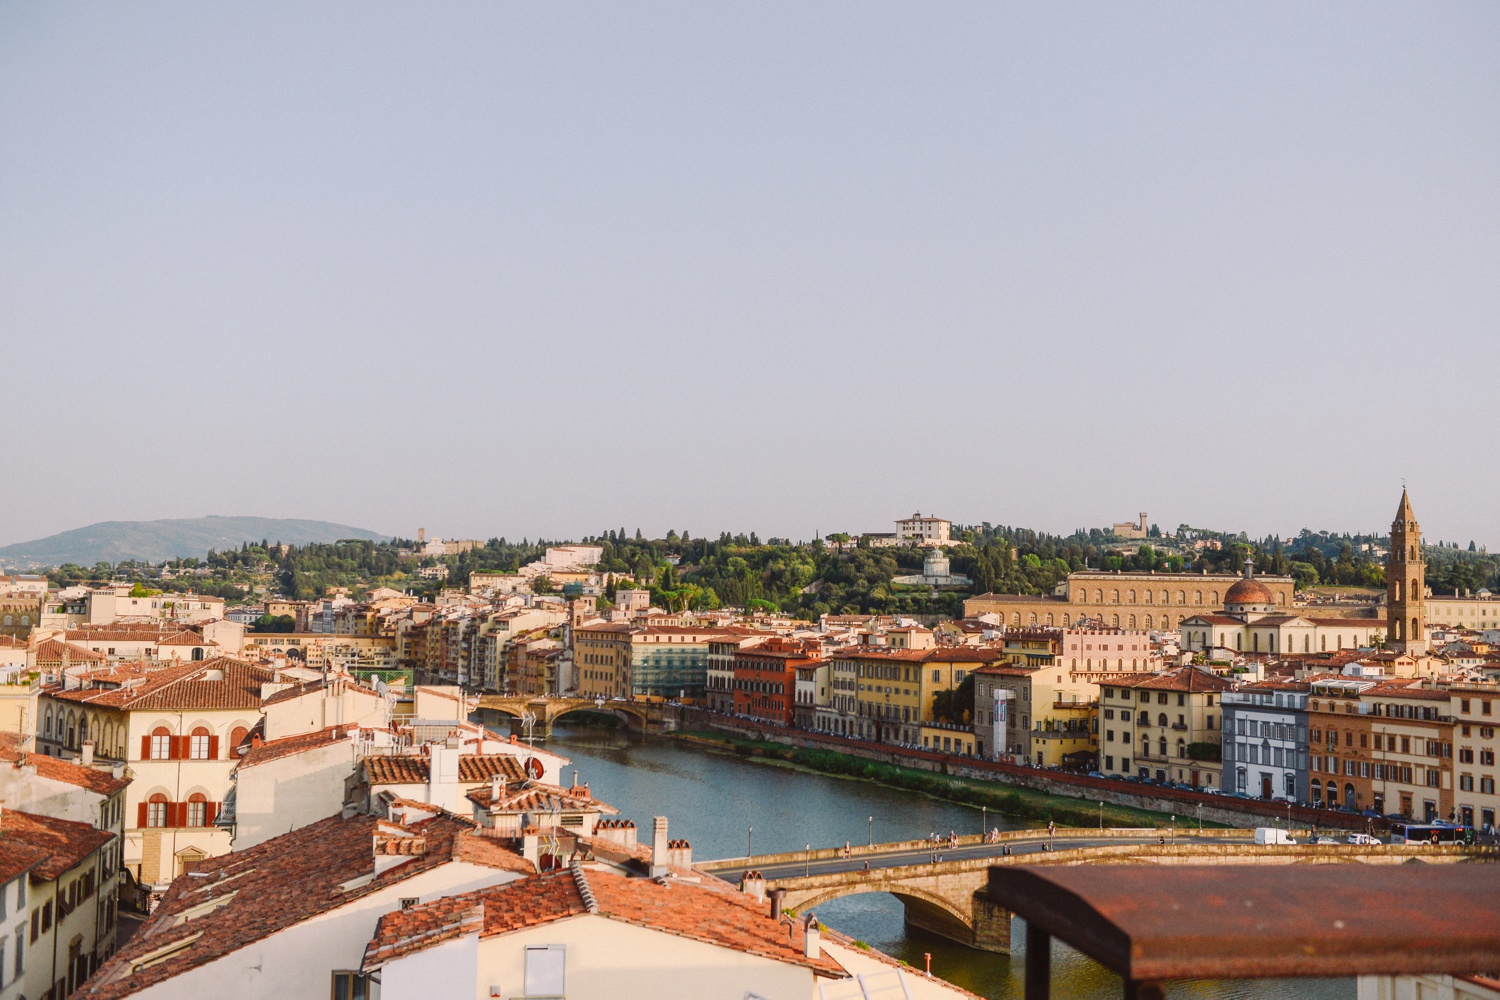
(714, 799)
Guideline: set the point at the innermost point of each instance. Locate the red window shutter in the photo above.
(181, 808)
(213, 748)
(179, 747)
(141, 818)
(211, 814)
(145, 751)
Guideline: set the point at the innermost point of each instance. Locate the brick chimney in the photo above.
(86, 754)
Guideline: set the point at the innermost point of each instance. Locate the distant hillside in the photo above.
(172, 538)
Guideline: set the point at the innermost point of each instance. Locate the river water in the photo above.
(724, 804)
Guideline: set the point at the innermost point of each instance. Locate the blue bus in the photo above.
(1436, 832)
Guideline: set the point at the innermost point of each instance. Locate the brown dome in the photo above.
(1249, 592)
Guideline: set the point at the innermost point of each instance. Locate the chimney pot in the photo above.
(812, 938)
(777, 895)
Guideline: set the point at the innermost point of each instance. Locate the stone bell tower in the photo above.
(1406, 584)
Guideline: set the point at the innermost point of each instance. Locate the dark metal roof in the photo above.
(1152, 923)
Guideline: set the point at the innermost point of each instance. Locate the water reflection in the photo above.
(714, 799)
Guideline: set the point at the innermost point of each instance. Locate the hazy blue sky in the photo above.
(547, 269)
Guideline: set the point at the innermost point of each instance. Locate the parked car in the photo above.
(1324, 840)
(1364, 840)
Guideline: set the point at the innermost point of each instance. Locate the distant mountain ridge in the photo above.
(170, 538)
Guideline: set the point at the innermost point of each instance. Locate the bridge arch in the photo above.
(923, 907)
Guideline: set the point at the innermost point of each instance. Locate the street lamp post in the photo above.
(1174, 829)
(1200, 819)
(984, 822)
(749, 840)
(872, 831)
(1101, 815)
(807, 860)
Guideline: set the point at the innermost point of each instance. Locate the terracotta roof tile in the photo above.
(414, 769)
(281, 883)
(182, 687)
(57, 769)
(1186, 679)
(290, 745)
(66, 842)
(726, 919)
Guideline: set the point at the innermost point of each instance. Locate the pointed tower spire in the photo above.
(1404, 512)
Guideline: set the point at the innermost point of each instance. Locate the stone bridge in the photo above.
(948, 897)
(642, 716)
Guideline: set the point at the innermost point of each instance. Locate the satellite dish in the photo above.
(535, 769)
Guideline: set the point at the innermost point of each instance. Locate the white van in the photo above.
(1272, 835)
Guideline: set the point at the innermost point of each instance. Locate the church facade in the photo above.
(1252, 621)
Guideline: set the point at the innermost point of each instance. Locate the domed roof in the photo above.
(1249, 591)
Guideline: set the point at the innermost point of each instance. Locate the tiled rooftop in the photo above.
(684, 909)
(66, 843)
(283, 882)
(182, 687)
(414, 768)
(57, 769)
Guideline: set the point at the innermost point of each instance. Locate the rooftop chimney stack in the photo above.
(659, 864)
(497, 787)
(812, 938)
(777, 895)
(86, 754)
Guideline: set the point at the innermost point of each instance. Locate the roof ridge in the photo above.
(585, 891)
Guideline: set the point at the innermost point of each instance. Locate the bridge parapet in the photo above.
(948, 898)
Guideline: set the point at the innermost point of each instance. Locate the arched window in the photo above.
(1145, 746)
(200, 744)
(1197, 597)
(1255, 642)
(1166, 598)
(1132, 597)
(1213, 597)
(1148, 621)
(1322, 643)
(1114, 597)
(1098, 597)
(1067, 620)
(1148, 597)
(83, 729)
(1333, 794)
(1317, 791)
(1181, 747)
(1161, 719)
(1132, 621)
(1239, 641)
(1413, 551)
(1182, 597)
(1399, 591)
(161, 743)
(47, 723)
(236, 737)
(72, 734)
(197, 809)
(197, 652)
(1115, 620)
(1416, 629)
(1049, 619)
(156, 810)
(1349, 797)
(1163, 744)
(1033, 618)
